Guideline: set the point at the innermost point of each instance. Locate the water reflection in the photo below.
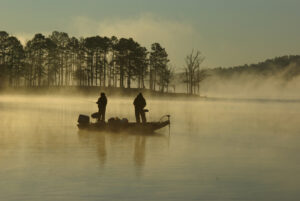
(140, 150)
(97, 140)
(139, 153)
(101, 149)
(105, 143)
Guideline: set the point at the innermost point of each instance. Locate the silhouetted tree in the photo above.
(141, 63)
(51, 62)
(3, 54)
(165, 76)
(36, 53)
(122, 59)
(11, 59)
(15, 61)
(62, 40)
(113, 73)
(158, 64)
(80, 74)
(194, 75)
(60, 60)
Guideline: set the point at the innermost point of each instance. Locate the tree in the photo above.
(158, 64)
(122, 59)
(73, 48)
(165, 76)
(80, 73)
(97, 49)
(112, 64)
(14, 60)
(36, 59)
(132, 61)
(60, 60)
(51, 62)
(194, 75)
(61, 39)
(141, 63)
(11, 59)
(3, 54)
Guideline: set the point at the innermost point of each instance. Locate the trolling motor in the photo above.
(83, 120)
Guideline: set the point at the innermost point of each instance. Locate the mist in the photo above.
(276, 78)
(221, 144)
(249, 86)
(149, 100)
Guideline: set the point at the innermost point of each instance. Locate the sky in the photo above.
(226, 32)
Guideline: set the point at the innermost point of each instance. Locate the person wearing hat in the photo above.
(102, 102)
(139, 104)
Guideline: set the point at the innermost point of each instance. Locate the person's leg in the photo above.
(137, 116)
(103, 114)
(99, 114)
(143, 116)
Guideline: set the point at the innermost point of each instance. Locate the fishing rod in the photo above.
(83, 100)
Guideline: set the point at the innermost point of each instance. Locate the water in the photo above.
(216, 150)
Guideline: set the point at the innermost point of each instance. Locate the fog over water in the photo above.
(218, 149)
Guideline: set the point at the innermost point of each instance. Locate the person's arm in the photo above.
(144, 103)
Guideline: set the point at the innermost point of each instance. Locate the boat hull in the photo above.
(130, 127)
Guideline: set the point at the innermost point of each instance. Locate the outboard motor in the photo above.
(83, 119)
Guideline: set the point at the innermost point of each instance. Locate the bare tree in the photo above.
(193, 74)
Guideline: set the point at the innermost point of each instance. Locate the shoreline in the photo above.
(93, 91)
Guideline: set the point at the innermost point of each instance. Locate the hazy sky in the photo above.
(227, 32)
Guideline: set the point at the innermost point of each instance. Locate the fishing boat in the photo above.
(119, 125)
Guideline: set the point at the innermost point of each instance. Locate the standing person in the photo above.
(102, 102)
(139, 104)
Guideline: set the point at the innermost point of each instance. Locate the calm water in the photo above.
(216, 150)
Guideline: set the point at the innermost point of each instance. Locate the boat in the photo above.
(121, 125)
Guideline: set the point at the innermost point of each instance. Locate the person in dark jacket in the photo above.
(102, 102)
(139, 104)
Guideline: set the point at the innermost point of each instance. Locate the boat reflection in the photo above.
(139, 153)
(114, 146)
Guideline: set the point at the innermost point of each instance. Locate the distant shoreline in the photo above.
(93, 91)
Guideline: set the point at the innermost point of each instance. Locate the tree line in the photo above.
(60, 60)
(284, 67)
